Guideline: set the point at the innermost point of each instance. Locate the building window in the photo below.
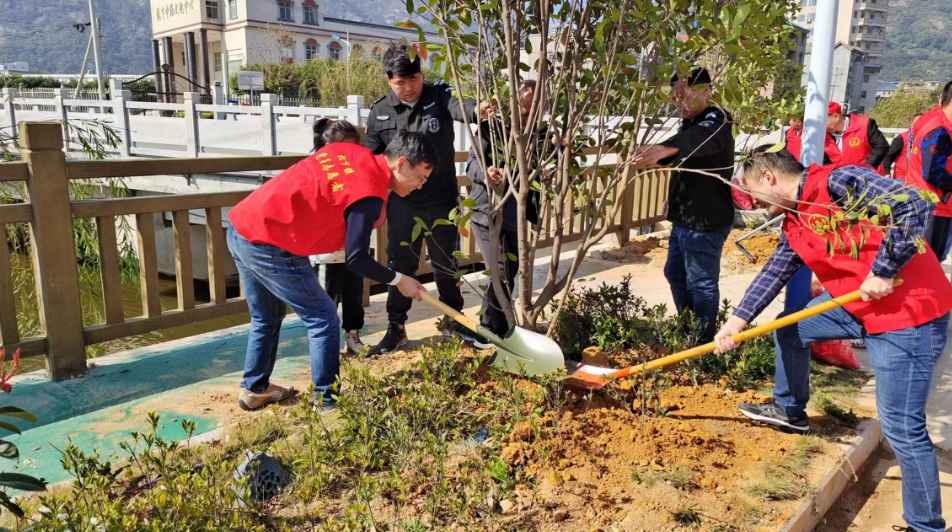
(810, 18)
(211, 9)
(801, 18)
(310, 13)
(334, 51)
(869, 31)
(310, 49)
(801, 57)
(855, 14)
(863, 95)
(867, 46)
(872, 16)
(812, 2)
(285, 11)
(803, 3)
(232, 9)
(862, 108)
(866, 78)
(218, 62)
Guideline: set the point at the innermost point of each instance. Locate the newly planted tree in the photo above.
(602, 73)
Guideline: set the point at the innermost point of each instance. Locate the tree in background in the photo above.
(602, 71)
(898, 109)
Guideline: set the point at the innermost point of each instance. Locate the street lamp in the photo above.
(347, 42)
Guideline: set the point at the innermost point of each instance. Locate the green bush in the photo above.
(898, 109)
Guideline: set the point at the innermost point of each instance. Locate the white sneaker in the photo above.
(353, 343)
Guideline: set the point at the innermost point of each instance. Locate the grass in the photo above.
(839, 382)
(824, 403)
(747, 511)
(784, 479)
(687, 516)
(678, 477)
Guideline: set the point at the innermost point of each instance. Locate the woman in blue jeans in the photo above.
(904, 326)
(330, 200)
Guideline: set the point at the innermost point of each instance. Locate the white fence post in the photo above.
(9, 94)
(218, 96)
(59, 97)
(191, 124)
(119, 98)
(355, 104)
(269, 133)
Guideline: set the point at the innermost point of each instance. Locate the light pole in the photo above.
(349, 48)
(819, 86)
(97, 47)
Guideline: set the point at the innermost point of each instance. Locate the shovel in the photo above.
(595, 378)
(520, 351)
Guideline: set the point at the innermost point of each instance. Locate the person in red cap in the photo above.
(853, 139)
(930, 167)
(897, 159)
(905, 326)
(330, 200)
(794, 138)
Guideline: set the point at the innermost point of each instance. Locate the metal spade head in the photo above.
(524, 351)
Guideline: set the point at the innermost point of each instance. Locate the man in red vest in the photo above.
(904, 327)
(331, 200)
(897, 159)
(930, 166)
(853, 139)
(794, 139)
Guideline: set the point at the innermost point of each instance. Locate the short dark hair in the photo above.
(697, 76)
(328, 131)
(415, 146)
(396, 62)
(946, 97)
(782, 162)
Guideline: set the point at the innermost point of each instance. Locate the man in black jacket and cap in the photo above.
(700, 207)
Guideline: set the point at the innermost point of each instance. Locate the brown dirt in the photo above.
(653, 251)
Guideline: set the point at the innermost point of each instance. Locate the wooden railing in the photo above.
(50, 212)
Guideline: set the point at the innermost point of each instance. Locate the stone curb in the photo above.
(843, 473)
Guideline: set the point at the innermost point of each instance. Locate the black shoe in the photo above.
(451, 327)
(773, 414)
(395, 338)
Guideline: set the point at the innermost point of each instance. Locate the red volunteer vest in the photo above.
(926, 123)
(925, 295)
(302, 209)
(856, 148)
(901, 165)
(794, 141)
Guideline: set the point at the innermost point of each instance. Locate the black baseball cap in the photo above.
(697, 76)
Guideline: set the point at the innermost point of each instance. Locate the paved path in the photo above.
(197, 377)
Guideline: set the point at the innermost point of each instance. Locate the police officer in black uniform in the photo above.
(700, 207)
(429, 108)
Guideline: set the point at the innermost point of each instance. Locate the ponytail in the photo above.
(328, 131)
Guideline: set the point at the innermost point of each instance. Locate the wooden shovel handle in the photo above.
(449, 311)
(749, 333)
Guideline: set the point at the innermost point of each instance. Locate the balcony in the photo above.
(865, 37)
(874, 23)
(880, 5)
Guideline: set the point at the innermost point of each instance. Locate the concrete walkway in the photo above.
(197, 378)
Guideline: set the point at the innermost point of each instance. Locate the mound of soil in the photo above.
(653, 251)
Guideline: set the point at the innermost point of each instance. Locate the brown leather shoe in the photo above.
(248, 400)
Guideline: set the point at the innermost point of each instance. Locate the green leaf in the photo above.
(22, 482)
(460, 255)
(437, 223)
(409, 6)
(19, 413)
(404, 243)
(627, 59)
(9, 426)
(776, 147)
(469, 202)
(8, 450)
(929, 196)
(900, 197)
(416, 233)
(482, 311)
(419, 221)
(512, 257)
(10, 505)
(600, 37)
(741, 16)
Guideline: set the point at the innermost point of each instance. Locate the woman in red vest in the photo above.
(898, 157)
(330, 200)
(853, 139)
(930, 167)
(794, 140)
(904, 327)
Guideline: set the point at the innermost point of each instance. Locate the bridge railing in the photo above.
(49, 212)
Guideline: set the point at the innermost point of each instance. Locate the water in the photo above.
(132, 305)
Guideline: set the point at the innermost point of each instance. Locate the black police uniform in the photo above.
(433, 114)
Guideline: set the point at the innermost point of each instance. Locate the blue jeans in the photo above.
(903, 362)
(948, 248)
(693, 271)
(273, 280)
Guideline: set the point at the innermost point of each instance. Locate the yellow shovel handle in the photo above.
(749, 333)
(449, 311)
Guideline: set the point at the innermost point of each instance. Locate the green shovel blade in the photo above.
(525, 352)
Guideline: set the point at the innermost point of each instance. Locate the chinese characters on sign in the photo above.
(173, 9)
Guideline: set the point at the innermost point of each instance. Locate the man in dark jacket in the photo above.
(700, 207)
(854, 139)
(494, 179)
(430, 109)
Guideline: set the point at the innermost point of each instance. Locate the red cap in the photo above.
(835, 108)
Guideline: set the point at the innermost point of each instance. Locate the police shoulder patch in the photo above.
(378, 100)
(383, 117)
(706, 123)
